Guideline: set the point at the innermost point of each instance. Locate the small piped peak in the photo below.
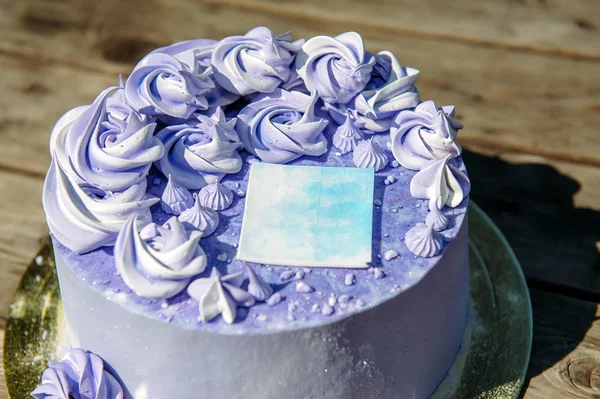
(347, 135)
(200, 217)
(369, 154)
(216, 196)
(435, 218)
(257, 287)
(220, 295)
(175, 198)
(422, 240)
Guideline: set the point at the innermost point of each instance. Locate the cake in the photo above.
(209, 216)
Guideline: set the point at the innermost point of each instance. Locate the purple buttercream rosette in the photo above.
(282, 126)
(161, 85)
(201, 150)
(336, 68)
(79, 375)
(424, 134)
(108, 144)
(256, 62)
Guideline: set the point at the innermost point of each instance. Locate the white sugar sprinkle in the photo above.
(315, 308)
(241, 193)
(327, 310)
(222, 257)
(390, 254)
(274, 299)
(344, 298)
(349, 279)
(359, 303)
(261, 317)
(286, 275)
(39, 260)
(299, 275)
(377, 202)
(395, 164)
(304, 288)
(378, 274)
(331, 301)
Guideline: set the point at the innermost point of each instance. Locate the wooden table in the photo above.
(525, 76)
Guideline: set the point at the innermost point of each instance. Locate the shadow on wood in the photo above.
(556, 244)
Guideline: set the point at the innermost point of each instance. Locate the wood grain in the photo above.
(565, 361)
(510, 100)
(553, 27)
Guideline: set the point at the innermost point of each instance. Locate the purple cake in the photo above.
(150, 188)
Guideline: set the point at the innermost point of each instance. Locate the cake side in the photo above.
(401, 348)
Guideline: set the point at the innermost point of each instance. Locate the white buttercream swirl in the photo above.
(424, 134)
(336, 68)
(256, 62)
(161, 264)
(200, 151)
(200, 217)
(84, 219)
(441, 181)
(282, 126)
(369, 154)
(391, 89)
(220, 295)
(216, 196)
(346, 136)
(108, 145)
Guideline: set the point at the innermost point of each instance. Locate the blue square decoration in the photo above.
(308, 216)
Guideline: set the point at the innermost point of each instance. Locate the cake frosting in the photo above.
(145, 200)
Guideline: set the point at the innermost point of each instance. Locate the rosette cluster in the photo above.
(187, 110)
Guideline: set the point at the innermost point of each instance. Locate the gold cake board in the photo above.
(491, 364)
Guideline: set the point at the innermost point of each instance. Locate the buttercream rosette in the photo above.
(106, 145)
(163, 86)
(200, 151)
(259, 61)
(197, 54)
(337, 68)
(79, 375)
(390, 90)
(424, 134)
(282, 126)
(158, 261)
(86, 218)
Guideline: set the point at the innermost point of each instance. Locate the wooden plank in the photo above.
(511, 101)
(565, 358)
(35, 96)
(554, 27)
(21, 231)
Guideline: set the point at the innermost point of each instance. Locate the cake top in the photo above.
(147, 187)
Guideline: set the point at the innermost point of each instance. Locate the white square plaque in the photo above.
(308, 216)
